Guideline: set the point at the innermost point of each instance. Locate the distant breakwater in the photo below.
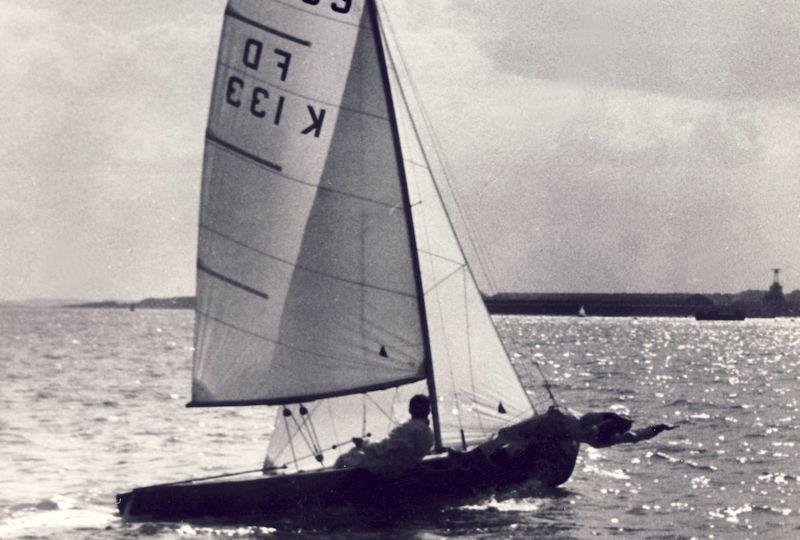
(593, 304)
(636, 304)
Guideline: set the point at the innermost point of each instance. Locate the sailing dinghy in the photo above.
(330, 281)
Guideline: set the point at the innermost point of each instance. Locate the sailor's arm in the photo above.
(634, 436)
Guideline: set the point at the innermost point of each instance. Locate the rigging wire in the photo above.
(377, 406)
(477, 248)
(309, 444)
(485, 260)
(334, 446)
(363, 414)
(332, 419)
(392, 421)
(291, 438)
(216, 476)
(312, 433)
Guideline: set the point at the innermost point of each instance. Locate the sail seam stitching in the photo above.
(442, 257)
(418, 164)
(273, 341)
(270, 166)
(445, 278)
(304, 268)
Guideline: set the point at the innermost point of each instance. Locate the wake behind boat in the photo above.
(331, 284)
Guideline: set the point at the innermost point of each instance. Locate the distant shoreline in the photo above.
(174, 302)
(751, 302)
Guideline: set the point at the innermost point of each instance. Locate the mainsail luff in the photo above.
(430, 376)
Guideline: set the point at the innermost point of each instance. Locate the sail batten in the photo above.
(232, 13)
(206, 270)
(337, 359)
(242, 153)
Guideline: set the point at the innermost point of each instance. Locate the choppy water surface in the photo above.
(92, 403)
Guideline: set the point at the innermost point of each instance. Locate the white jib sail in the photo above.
(478, 390)
(305, 284)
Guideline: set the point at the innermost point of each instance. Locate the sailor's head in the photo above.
(419, 406)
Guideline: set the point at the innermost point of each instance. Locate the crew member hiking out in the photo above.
(529, 438)
(405, 446)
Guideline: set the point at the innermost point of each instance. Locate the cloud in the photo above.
(101, 156)
(619, 146)
(709, 49)
(596, 145)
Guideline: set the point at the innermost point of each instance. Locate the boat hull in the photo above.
(436, 481)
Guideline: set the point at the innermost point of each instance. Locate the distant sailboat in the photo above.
(582, 311)
(330, 282)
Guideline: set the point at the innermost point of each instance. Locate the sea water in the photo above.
(92, 403)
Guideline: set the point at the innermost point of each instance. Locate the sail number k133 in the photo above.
(261, 102)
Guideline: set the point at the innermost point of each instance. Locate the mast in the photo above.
(437, 432)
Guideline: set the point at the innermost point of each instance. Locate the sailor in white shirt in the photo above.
(405, 446)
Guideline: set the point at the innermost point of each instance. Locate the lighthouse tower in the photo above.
(774, 298)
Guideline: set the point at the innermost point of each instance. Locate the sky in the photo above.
(595, 146)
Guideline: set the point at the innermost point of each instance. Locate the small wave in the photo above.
(772, 510)
(52, 517)
(10, 438)
(506, 505)
(690, 463)
(616, 474)
(730, 514)
(47, 504)
(644, 509)
(777, 478)
(620, 409)
(678, 402)
(232, 532)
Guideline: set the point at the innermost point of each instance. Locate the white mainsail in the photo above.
(322, 288)
(306, 286)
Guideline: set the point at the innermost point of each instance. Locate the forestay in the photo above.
(306, 282)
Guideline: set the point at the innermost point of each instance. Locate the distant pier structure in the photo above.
(774, 297)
